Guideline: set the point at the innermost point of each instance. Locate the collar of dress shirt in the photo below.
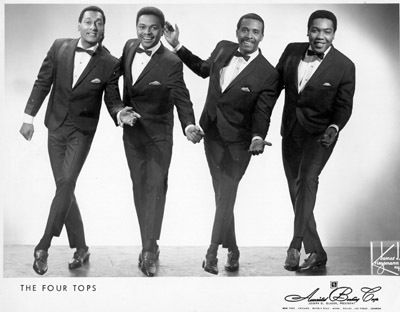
(91, 48)
(152, 49)
(252, 55)
(325, 53)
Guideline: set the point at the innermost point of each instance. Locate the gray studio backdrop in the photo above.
(359, 196)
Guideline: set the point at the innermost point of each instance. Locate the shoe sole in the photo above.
(37, 271)
(207, 269)
(291, 268)
(77, 266)
(312, 268)
(230, 269)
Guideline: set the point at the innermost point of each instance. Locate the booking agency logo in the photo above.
(385, 257)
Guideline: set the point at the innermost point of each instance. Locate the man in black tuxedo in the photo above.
(153, 85)
(235, 120)
(319, 84)
(79, 71)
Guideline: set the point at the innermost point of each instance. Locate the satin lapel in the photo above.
(153, 63)
(326, 63)
(65, 65)
(225, 59)
(293, 66)
(130, 54)
(246, 71)
(92, 64)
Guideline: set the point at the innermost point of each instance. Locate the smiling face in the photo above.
(249, 35)
(321, 34)
(149, 30)
(91, 28)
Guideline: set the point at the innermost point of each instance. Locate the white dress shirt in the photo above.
(140, 61)
(81, 60)
(307, 68)
(235, 66)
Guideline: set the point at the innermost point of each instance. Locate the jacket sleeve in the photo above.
(280, 67)
(180, 95)
(44, 81)
(265, 104)
(343, 106)
(200, 67)
(112, 96)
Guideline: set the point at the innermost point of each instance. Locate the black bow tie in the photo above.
(140, 50)
(320, 55)
(238, 54)
(79, 49)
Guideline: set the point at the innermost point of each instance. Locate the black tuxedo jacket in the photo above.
(326, 99)
(243, 110)
(82, 102)
(159, 87)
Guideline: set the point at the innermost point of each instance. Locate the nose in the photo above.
(93, 26)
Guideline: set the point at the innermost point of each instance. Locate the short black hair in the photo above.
(151, 11)
(92, 8)
(322, 14)
(251, 16)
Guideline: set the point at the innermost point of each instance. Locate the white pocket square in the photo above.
(96, 80)
(327, 84)
(155, 83)
(245, 89)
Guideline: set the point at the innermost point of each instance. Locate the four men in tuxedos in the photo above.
(153, 85)
(79, 71)
(235, 119)
(319, 84)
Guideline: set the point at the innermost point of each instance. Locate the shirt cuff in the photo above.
(256, 138)
(178, 47)
(28, 119)
(334, 126)
(120, 123)
(188, 126)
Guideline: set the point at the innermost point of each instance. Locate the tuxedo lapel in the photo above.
(294, 65)
(92, 64)
(326, 63)
(153, 63)
(65, 65)
(130, 54)
(222, 60)
(245, 72)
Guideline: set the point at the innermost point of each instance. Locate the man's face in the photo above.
(321, 34)
(249, 35)
(149, 30)
(91, 28)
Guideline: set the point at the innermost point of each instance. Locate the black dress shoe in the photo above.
(292, 259)
(40, 263)
(314, 261)
(210, 264)
(81, 256)
(147, 262)
(232, 263)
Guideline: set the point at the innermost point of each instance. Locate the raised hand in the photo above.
(128, 116)
(27, 130)
(257, 146)
(194, 134)
(171, 34)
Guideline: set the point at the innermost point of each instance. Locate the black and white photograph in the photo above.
(200, 156)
